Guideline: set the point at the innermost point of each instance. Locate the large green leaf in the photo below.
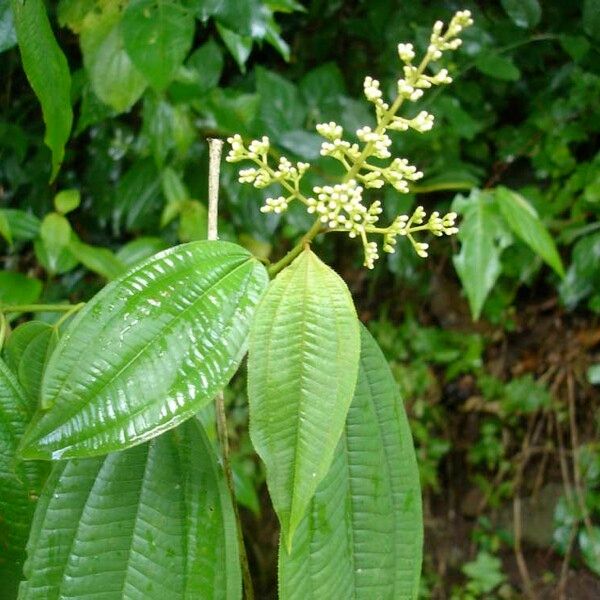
(114, 78)
(302, 369)
(483, 236)
(525, 224)
(48, 73)
(157, 34)
(154, 521)
(148, 351)
(19, 483)
(362, 535)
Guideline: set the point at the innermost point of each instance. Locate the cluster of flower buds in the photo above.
(287, 174)
(406, 226)
(341, 207)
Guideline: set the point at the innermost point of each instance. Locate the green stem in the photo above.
(296, 250)
(382, 126)
(27, 308)
(75, 308)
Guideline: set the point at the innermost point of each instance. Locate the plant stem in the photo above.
(215, 147)
(27, 308)
(295, 251)
(74, 309)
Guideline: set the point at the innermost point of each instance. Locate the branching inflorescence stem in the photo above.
(341, 207)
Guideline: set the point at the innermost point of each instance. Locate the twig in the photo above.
(564, 569)
(517, 517)
(518, 549)
(575, 446)
(215, 148)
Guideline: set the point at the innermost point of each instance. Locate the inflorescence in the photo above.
(341, 207)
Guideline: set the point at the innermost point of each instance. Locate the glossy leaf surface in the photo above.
(363, 532)
(302, 368)
(48, 73)
(154, 521)
(148, 351)
(20, 483)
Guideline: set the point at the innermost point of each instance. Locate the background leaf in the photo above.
(524, 13)
(48, 73)
(362, 535)
(20, 483)
(155, 521)
(157, 34)
(526, 225)
(16, 288)
(483, 236)
(302, 368)
(591, 18)
(113, 76)
(148, 351)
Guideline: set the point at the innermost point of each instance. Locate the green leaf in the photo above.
(5, 231)
(48, 73)
(362, 535)
(483, 236)
(148, 351)
(583, 275)
(140, 249)
(114, 78)
(281, 108)
(524, 13)
(485, 573)
(99, 260)
(66, 201)
(497, 66)
(239, 46)
(157, 34)
(23, 226)
(173, 187)
(193, 221)
(152, 522)
(60, 263)
(20, 483)
(526, 225)
(591, 18)
(201, 73)
(139, 196)
(55, 234)
(302, 369)
(19, 339)
(589, 542)
(16, 288)
(33, 362)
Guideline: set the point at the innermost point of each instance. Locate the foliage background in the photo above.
(503, 409)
